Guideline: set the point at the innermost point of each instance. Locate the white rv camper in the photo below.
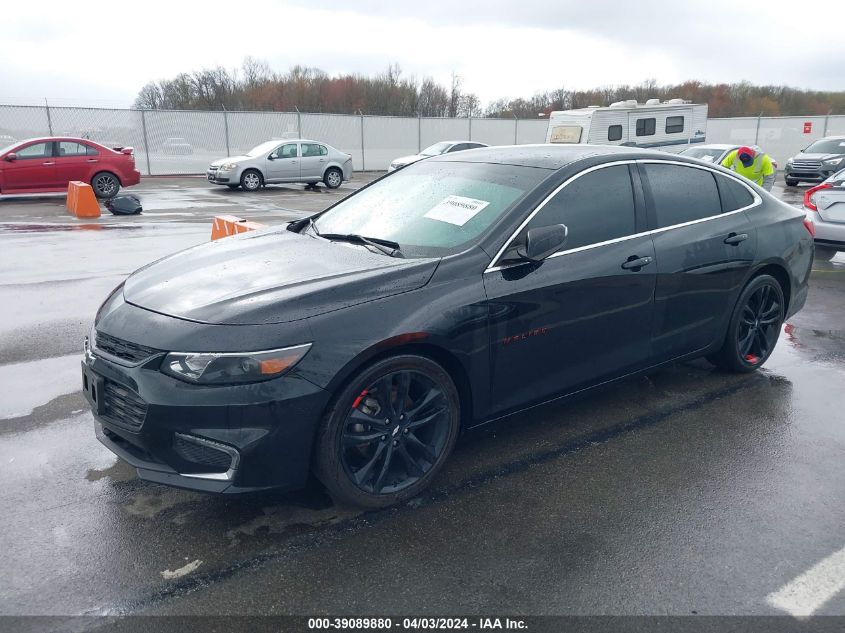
(670, 126)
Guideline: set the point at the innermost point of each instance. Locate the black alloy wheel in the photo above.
(754, 328)
(389, 432)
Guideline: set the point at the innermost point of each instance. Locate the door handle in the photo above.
(635, 263)
(48, 163)
(93, 160)
(734, 239)
(322, 160)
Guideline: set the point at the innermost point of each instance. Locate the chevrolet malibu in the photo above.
(357, 343)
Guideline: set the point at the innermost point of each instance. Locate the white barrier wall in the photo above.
(185, 142)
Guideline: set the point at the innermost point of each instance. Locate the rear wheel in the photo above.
(825, 253)
(105, 185)
(333, 178)
(388, 433)
(251, 180)
(754, 327)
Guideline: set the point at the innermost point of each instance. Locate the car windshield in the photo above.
(432, 208)
(258, 150)
(436, 149)
(708, 154)
(827, 146)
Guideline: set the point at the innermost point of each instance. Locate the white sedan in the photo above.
(443, 147)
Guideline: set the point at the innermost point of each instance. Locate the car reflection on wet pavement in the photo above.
(685, 491)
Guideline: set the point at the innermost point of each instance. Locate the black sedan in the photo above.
(357, 343)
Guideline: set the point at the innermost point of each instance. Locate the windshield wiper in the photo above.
(388, 247)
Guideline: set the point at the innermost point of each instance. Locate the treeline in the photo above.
(255, 86)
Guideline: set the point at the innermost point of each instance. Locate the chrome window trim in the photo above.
(493, 266)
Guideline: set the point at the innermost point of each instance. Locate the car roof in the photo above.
(547, 155)
(712, 146)
(48, 139)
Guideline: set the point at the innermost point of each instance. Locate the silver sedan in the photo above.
(443, 147)
(293, 160)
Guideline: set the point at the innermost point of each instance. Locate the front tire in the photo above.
(251, 180)
(105, 185)
(754, 327)
(388, 433)
(791, 182)
(825, 253)
(333, 178)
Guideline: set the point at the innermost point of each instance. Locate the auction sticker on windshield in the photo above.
(456, 210)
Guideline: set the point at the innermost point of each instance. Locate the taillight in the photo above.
(811, 228)
(808, 195)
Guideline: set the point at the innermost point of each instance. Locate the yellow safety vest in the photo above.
(759, 169)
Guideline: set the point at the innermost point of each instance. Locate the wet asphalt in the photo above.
(688, 491)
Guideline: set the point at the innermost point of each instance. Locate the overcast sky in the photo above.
(101, 52)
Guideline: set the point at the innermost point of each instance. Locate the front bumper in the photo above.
(217, 177)
(809, 175)
(225, 439)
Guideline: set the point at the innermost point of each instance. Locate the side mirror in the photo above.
(542, 242)
(271, 157)
(10, 157)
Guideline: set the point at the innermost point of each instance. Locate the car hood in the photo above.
(816, 156)
(230, 159)
(270, 276)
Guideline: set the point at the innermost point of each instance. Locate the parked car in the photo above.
(816, 162)
(41, 165)
(443, 147)
(716, 152)
(177, 147)
(357, 342)
(292, 160)
(825, 205)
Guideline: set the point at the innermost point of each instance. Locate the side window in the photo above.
(71, 148)
(474, 145)
(681, 194)
(646, 127)
(458, 147)
(309, 150)
(91, 151)
(323, 150)
(286, 151)
(614, 133)
(38, 150)
(674, 124)
(734, 195)
(596, 207)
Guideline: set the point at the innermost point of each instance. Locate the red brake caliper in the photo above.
(357, 400)
(751, 358)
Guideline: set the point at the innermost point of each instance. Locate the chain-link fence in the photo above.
(186, 141)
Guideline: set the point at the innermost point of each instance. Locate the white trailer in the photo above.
(670, 126)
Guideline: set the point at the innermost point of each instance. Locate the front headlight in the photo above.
(232, 368)
(833, 161)
(228, 166)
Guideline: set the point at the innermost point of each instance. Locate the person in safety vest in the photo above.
(752, 163)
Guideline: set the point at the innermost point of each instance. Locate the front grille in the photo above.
(123, 407)
(213, 168)
(131, 352)
(201, 453)
(806, 164)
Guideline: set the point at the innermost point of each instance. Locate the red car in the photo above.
(41, 165)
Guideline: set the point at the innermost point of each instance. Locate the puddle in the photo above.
(277, 519)
(29, 385)
(119, 471)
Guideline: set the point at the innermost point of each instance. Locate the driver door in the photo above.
(583, 315)
(283, 163)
